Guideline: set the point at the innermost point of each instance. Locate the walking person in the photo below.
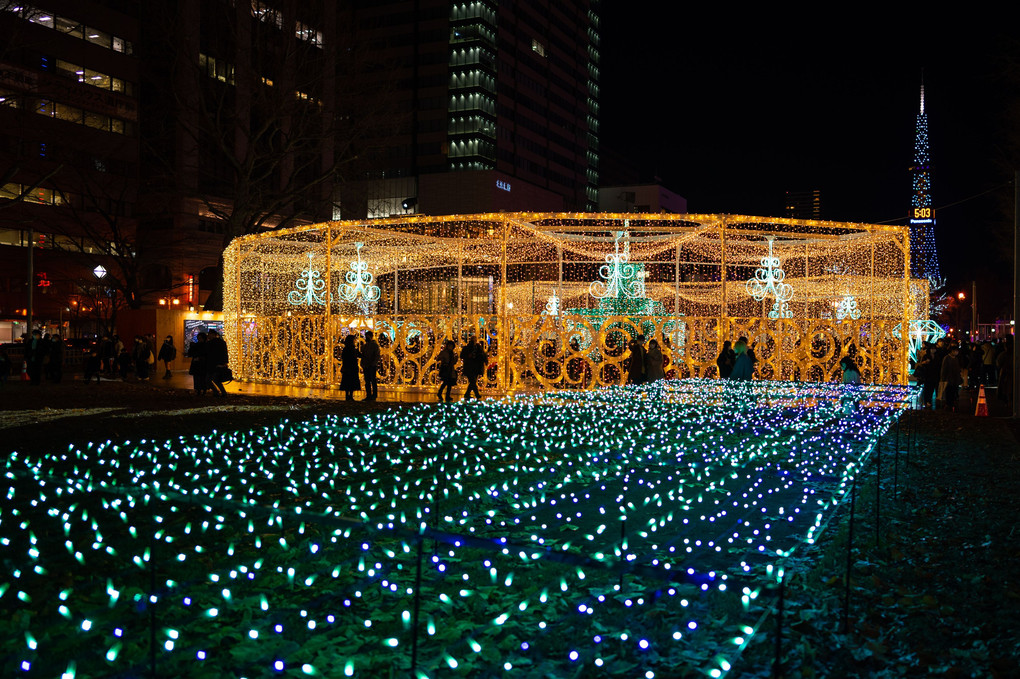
(370, 366)
(653, 362)
(636, 368)
(473, 360)
(725, 360)
(447, 370)
(217, 360)
(197, 369)
(167, 354)
(349, 380)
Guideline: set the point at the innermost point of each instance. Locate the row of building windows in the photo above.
(472, 78)
(54, 241)
(471, 125)
(65, 112)
(473, 10)
(46, 196)
(273, 16)
(70, 27)
(94, 78)
(474, 101)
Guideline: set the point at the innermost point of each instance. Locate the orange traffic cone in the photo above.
(982, 404)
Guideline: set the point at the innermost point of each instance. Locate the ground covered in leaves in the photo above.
(934, 582)
(935, 590)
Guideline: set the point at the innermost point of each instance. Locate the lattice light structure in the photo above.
(681, 279)
(526, 536)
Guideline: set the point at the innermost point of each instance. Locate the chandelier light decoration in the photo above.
(769, 280)
(557, 298)
(620, 279)
(309, 287)
(359, 282)
(847, 308)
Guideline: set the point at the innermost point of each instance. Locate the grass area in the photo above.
(617, 532)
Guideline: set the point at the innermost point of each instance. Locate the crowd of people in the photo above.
(942, 368)
(946, 366)
(359, 359)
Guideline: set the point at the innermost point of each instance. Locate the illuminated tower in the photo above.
(924, 259)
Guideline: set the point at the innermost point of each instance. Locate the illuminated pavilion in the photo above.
(557, 297)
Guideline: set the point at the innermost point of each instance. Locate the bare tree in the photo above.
(263, 124)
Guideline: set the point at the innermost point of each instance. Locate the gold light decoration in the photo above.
(493, 275)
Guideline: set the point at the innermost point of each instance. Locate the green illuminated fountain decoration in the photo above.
(621, 293)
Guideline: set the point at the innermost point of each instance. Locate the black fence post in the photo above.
(417, 605)
(152, 588)
(777, 665)
(878, 490)
(849, 559)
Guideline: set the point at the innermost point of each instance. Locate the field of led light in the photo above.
(619, 532)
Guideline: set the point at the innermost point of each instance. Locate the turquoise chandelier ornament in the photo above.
(769, 280)
(359, 284)
(309, 288)
(621, 279)
(847, 308)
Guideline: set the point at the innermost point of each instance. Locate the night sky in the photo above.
(732, 110)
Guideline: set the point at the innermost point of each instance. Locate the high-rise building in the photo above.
(924, 258)
(804, 204)
(492, 106)
(69, 145)
(240, 124)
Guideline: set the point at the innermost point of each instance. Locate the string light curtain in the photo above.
(522, 284)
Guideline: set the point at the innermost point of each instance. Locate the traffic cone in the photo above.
(982, 404)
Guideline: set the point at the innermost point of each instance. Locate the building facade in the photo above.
(69, 147)
(493, 106)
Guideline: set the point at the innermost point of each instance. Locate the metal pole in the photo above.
(849, 559)
(417, 607)
(676, 288)
(31, 276)
(878, 490)
(777, 667)
(1016, 290)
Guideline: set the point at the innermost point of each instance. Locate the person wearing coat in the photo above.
(36, 350)
(142, 356)
(726, 360)
(636, 369)
(653, 362)
(473, 360)
(350, 381)
(447, 370)
(370, 366)
(951, 375)
(743, 369)
(167, 354)
(197, 369)
(217, 358)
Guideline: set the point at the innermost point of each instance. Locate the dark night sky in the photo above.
(731, 110)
